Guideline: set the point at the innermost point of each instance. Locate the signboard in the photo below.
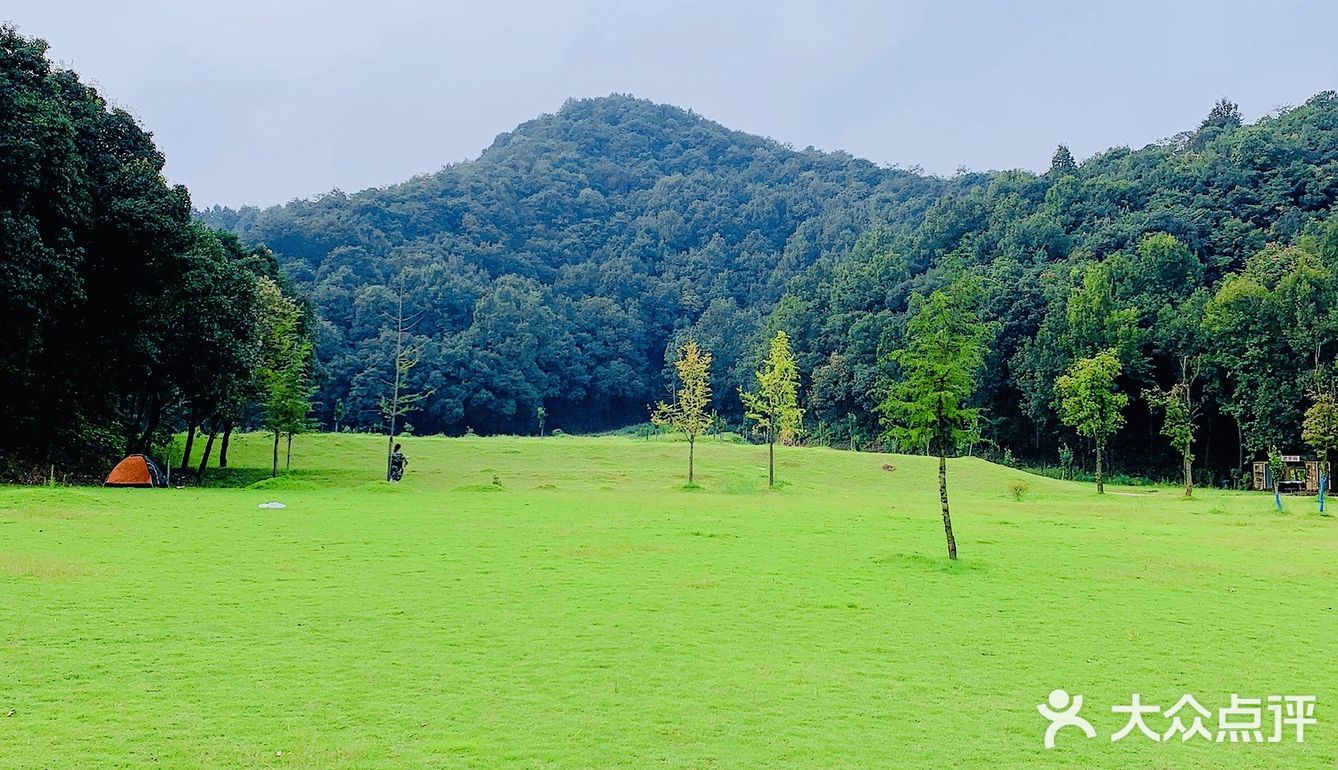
(1291, 458)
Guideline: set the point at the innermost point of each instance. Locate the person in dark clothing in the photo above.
(397, 463)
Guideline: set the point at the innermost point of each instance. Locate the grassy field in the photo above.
(565, 603)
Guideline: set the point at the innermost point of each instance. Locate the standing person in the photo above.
(397, 463)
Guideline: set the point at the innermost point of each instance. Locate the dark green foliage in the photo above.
(1125, 251)
(559, 267)
(124, 320)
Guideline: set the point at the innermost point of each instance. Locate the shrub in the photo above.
(1019, 489)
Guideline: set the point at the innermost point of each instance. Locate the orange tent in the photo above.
(135, 471)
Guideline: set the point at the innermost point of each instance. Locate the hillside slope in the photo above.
(602, 231)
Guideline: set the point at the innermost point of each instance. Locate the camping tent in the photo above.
(135, 471)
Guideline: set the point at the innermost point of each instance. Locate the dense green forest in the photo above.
(557, 269)
(125, 319)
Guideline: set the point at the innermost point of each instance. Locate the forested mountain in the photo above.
(557, 268)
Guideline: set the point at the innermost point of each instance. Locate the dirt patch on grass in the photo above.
(39, 567)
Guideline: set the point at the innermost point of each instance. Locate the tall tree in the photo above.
(407, 356)
(1320, 429)
(775, 404)
(284, 370)
(929, 405)
(689, 413)
(1090, 402)
(1061, 162)
(1178, 424)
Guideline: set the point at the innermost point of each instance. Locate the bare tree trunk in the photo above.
(274, 469)
(692, 446)
(208, 447)
(190, 442)
(1100, 485)
(223, 447)
(771, 453)
(1189, 477)
(395, 394)
(943, 500)
(1240, 447)
(155, 414)
(288, 461)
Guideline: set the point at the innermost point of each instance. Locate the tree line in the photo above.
(126, 319)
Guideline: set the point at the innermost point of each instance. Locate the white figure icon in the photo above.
(1063, 712)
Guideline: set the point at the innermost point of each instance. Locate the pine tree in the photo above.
(928, 406)
(1062, 162)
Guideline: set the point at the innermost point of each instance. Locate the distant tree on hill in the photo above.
(689, 412)
(775, 404)
(1062, 162)
(929, 405)
(1090, 403)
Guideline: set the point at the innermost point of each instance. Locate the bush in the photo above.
(557, 433)
(1019, 489)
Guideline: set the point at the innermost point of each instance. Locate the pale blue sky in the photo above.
(258, 102)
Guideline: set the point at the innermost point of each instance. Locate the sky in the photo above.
(256, 102)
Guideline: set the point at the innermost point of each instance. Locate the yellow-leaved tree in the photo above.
(689, 413)
(775, 405)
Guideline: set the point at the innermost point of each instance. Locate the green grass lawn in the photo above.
(589, 612)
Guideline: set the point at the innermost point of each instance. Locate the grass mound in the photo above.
(284, 483)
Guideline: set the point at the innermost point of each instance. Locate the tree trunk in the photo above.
(208, 447)
(274, 469)
(390, 449)
(1100, 486)
(692, 446)
(1189, 477)
(190, 442)
(223, 447)
(155, 414)
(771, 458)
(943, 500)
(288, 460)
(1240, 447)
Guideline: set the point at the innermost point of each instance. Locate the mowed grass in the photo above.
(586, 611)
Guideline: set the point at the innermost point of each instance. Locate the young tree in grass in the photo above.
(407, 355)
(688, 413)
(284, 374)
(1320, 429)
(1090, 403)
(945, 349)
(775, 405)
(1177, 425)
(1180, 413)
